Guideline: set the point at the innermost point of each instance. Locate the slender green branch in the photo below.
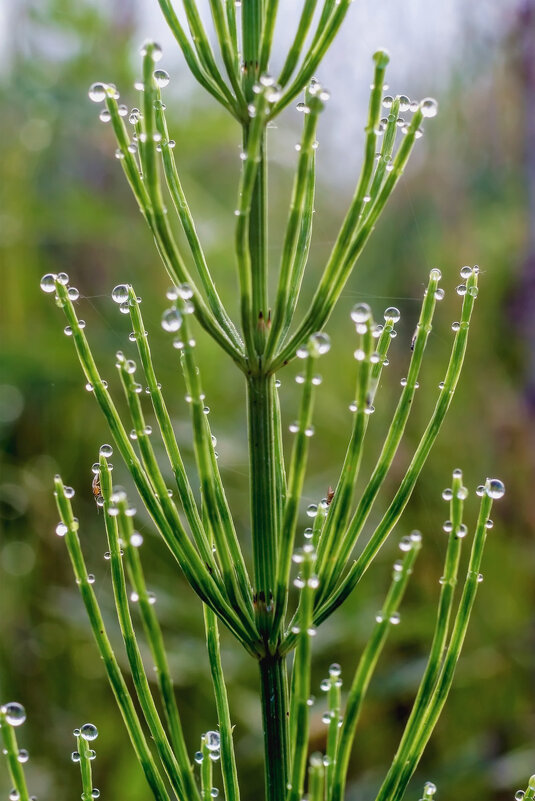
(186, 220)
(299, 708)
(367, 663)
(228, 757)
(228, 53)
(448, 583)
(294, 53)
(69, 529)
(12, 715)
(196, 68)
(130, 545)
(85, 755)
(303, 430)
(404, 492)
(290, 261)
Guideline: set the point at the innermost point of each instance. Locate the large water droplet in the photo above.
(429, 107)
(212, 740)
(162, 78)
(495, 488)
(392, 313)
(119, 293)
(15, 713)
(171, 320)
(48, 282)
(89, 731)
(97, 92)
(360, 313)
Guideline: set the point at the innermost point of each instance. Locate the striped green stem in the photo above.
(406, 487)
(228, 53)
(299, 702)
(228, 757)
(11, 751)
(115, 676)
(367, 664)
(130, 544)
(428, 720)
(448, 583)
(296, 47)
(86, 773)
(290, 256)
(298, 463)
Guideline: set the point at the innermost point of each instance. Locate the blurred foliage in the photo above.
(65, 206)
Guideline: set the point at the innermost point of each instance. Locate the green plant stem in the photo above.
(440, 634)
(290, 261)
(335, 549)
(264, 533)
(274, 691)
(115, 677)
(228, 757)
(428, 719)
(197, 70)
(238, 585)
(292, 58)
(177, 774)
(406, 487)
(166, 428)
(229, 55)
(184, 214)
(298, 463)
(85, 767)
(157, 648)
(252, 15)
(315, 54)
(365, 671)
(11, 751)
(316, 778)
(176, 540)
(299, 707)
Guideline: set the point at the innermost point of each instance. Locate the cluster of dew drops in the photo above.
(428, 107)
(15, 715)
(99, 91)
(212, 743)
(88, 732)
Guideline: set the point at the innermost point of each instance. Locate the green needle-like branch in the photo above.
(115, 677)
(11, 751)
(388, 616)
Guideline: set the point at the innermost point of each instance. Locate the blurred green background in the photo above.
(467, 197)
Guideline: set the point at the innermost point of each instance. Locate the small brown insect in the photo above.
(330, 496)
(97, 489)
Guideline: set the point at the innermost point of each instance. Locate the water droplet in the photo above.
(134, 597)
(320, 344)
(75, 756)
(48, 282)
(461, 531)
(447, 526)
(198, 757)
(495, 488)
(388, 101)
(473, 291)
(326, 717)
(461, 289)
(312, 510)
(95, 793)
(405, 544)
(361, 313)
(14, 795)
(466, 272)
(455, 326)
(462, 493)
(404, 103)
(447, 494)
(429, 107)
(89, 731)
(214, 792)
(325, 685)
(162, 78)
(439, 294)
(489, 524)
(61, 529)
(394, 618)
(392, 314)
(379, 617)
(90, 578)
(119, 294)
(104, 115)
(212, 740)
(171, 320)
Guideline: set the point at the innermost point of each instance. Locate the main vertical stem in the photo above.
(262, 451)
(264, 532)
(275, 721)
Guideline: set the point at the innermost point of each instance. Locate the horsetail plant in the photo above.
(257, 602)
